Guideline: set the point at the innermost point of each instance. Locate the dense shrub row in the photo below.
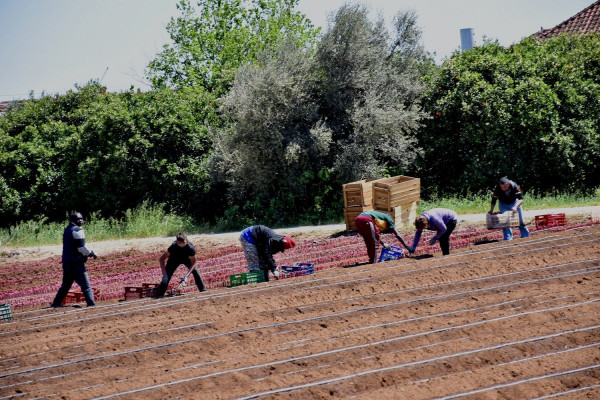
(273, 142)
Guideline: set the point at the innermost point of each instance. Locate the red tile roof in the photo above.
(4, 105)
(583, 22)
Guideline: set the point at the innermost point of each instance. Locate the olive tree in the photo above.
(370, 91)
(302, 123)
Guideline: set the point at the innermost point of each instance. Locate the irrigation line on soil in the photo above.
(509, 384)
(336, 249)
(404, 365)
(579, 389)
(445, 329)
(429, 298)
(305, 320)
(526, 244)
(542, 248)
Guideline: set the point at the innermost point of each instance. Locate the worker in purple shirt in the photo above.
(441, 220)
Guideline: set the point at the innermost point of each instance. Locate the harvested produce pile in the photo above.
(510, 320)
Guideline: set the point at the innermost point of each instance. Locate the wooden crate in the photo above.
(403, 215)
(359, 193)
(350, 214)
(596, 215)
(396, 191)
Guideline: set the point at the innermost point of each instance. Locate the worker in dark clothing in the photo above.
(370, 224)
(259, 244)
(509, 197)
(74, 257)
(181, 252)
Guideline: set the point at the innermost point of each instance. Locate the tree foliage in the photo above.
(211, 40)
(94, 151)
(303, 123)
(529, 111)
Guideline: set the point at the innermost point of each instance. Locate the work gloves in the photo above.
(92, 254)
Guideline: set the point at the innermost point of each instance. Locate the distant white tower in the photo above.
(467, 39)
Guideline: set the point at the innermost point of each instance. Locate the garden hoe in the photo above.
(177, 289)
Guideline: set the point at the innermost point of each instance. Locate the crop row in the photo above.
(35, 283)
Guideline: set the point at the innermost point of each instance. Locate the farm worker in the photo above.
(259, 244)
(181, 251)
(74, 257)
(441, 220)
(509, 197)
(368, 224)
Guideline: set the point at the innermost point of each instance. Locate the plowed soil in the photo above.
(508, 320)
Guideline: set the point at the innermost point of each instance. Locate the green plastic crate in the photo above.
(5, 312)
(246, 278)
(237, 279)
(255, 277)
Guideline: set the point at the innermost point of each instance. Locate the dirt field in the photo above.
(515, 320)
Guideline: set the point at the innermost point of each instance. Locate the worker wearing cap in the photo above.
(509, 197)
(259, 244)
(369, 225)
(181, 252)
(442, 221)
(74, 257)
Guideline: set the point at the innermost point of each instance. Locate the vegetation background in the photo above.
(258, 117)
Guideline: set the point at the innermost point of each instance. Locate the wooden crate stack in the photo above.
(397, 196)
(358, 197)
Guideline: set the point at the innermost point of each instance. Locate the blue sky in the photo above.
(51, 45)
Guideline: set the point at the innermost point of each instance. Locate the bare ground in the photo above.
(515, 320)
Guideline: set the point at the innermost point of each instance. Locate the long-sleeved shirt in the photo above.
(510, 196)
(437, 218)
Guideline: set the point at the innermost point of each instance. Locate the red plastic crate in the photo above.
(134, 292)
(550, 220)
(75, 296)
(149, 289)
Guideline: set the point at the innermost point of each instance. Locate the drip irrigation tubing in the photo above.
(519, 382)
(567, 392)
(319, 318)
(435, 285)
(528, 243)
(346, 377)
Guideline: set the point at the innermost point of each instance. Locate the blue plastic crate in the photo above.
(393, 253)
(299, 269)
